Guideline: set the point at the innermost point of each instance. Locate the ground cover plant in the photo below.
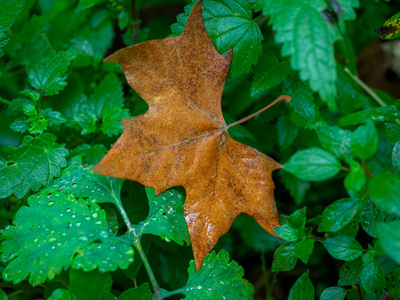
(70, 232)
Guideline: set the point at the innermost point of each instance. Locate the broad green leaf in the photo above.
(268, 72)
(396, 157)
(355, 181)
(364, 141)
(48, 75)
(288, 232)
(392, 132)
(343, 247)
(384, 189)
(335, 139)
(287, 132)
(10, 10)
(303, 249)
(313, 164)
(292, 228)
(284, 258)
(89, 285)
(230, 26)
(379, 114)
(391, 28)
(389, 238)
(31, 165)
(393, 283)
(333, 293)
(60, 294)
(91, 155)
(302, 289)
(53, 117)
(47, 236)
(372, 279)
(350, 97)
(369, 216)
(338, 214)
(141, 292)
(84, 4)
(216, 279)
(349, 272)
(346, 10)
(296, 187)
(307, 38)
(165, 217)
(3, 295)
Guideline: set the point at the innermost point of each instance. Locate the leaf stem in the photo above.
(8, 102)
(280, 98)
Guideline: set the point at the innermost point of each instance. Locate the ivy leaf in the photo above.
(302, 289)
(284, 258)
(229, 25)
(165, 217)
(307, 38)
(384, 188)
(48, 75)
(217, 278)
(338, 214)
(335, 139)
(31, 165)
(343, 247)
(48, 234)
(349, 272)
(333, 293)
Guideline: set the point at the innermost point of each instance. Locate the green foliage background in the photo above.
(69, 233)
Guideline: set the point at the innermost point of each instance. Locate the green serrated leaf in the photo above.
(60, 294)
(389, 237)
(47, 235)
(338, 214)
(141, 292)
(91, 155)
(165, 217)
(268, 72)
(217, 278)
(349, 272)
(384, 189)
(391, 28)
(364, 141)
(303, 249)
(392, 132)
(296, 187)
(302, 289)
(343, 247)
(287, 132)
(300, 26)
(230, 26)
(333, 293)
(372, 279)
(53, 117)
(393, 283)
(10, 10)
(31, 165)
(313, 164)
(48, 75)
(335, 139)
(379, 114)
(284, 258)
(346, 9)
(89, 285)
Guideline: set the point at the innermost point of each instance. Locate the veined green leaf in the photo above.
(384, 188)
(379, 114)
(335, 139)
(333, 293)
(284, 258)
(349, 272)
(60, 294)
(89, 285)
(372, 279)
(338, 214)
(141, 292)
(302, 289)
(343, 247)
(364, 141)
(389, 237)
(391, 28)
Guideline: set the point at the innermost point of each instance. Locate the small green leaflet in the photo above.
(384, 188)
(372, 279)
(307, 38)
(343, 247)
(229, 25)
(335, 139)
(287, 132)
(166, 218)
(346, 9)
(389, 237)
(48, 75)
(333, 293)
(379, 114)
(47, 235)
(302, 289)
(338, 214)
(31, 165)
(60, 294)
(216, 279)
(369, 216)
(313, 164)
(293, 226)
(356, 179)
(391, 28)
(364, 141)
(284, 258)
(303, 249)
(349, 272)
(89, 285)
(141, 292)
(349, 97)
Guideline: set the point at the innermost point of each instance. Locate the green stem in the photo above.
(15, 293)
(10, 103)
(178, 291)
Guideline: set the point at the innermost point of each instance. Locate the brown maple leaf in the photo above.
(183, 140)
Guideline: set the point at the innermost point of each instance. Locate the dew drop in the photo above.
(69, 225)
(83, 238)
(167, 239)
(75, 185)
(92, 191)
(73, 216)
(112, 247)
(51, 203)
(210, 289)
(95, 215)
(163, 198)
(87, 218)
(97, 222)
(171, 193)
(103, 194)
(35, 240)
(61, 215)
(53, 239)
(68, 210)
(78, 224)
(154, 219)
(53, 247)
(103, 234)
(199, 287)
(129, 251)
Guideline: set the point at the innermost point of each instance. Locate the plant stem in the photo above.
(280, 98)
(10, 103)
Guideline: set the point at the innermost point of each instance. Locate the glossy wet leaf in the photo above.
(356, 179)
(392, 132)
(35, 163)
(165, 217)
(287, 132)
(60, 294)
(369, 216)
(46, 237)
(333, 293)
(364, 141)
(216, 279)
(384, 189)
(89, 285)
(343, 247)
(141, 292)
(336, 140)
(391, 28)
(284, 258)
(372, 279)
(379, 114)
(338, 214)
(91, 154)
(313, 164)
(10, 10)
(303, 249)
(389, 238)
(302, 289)
(393, 283)
(349, 272)
(182, 140)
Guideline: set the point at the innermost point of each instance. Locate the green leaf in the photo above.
(302, 289)
(333, 293)
(30, 166)
(392, 132)
(338, 214)
(91, 155)
(391, 28)
(288, 232)
(141, 292)
(313, 164)
(336, 140)
(389, 237)
(303, 249)
(296, 187)
(349, 272)
(379, 114)
(287, 132)
(268, 72)
(47, 236)
(343, 247)
(165, 217)
(48, 75)
(384, 188)
(396, 157)
(10, 10)
(89, 285)
(393, 283)
(230, 26)
(85, 4)
(3, 295)
(60, 294)
(346, 10)
(53, 117)
(307, 38)
(217, 278)
(369, 216)
(356, 179)
(364, 141)
(372, 279)
(284, 258)
(350, 97)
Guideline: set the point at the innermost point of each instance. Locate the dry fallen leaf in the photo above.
(182, 140)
